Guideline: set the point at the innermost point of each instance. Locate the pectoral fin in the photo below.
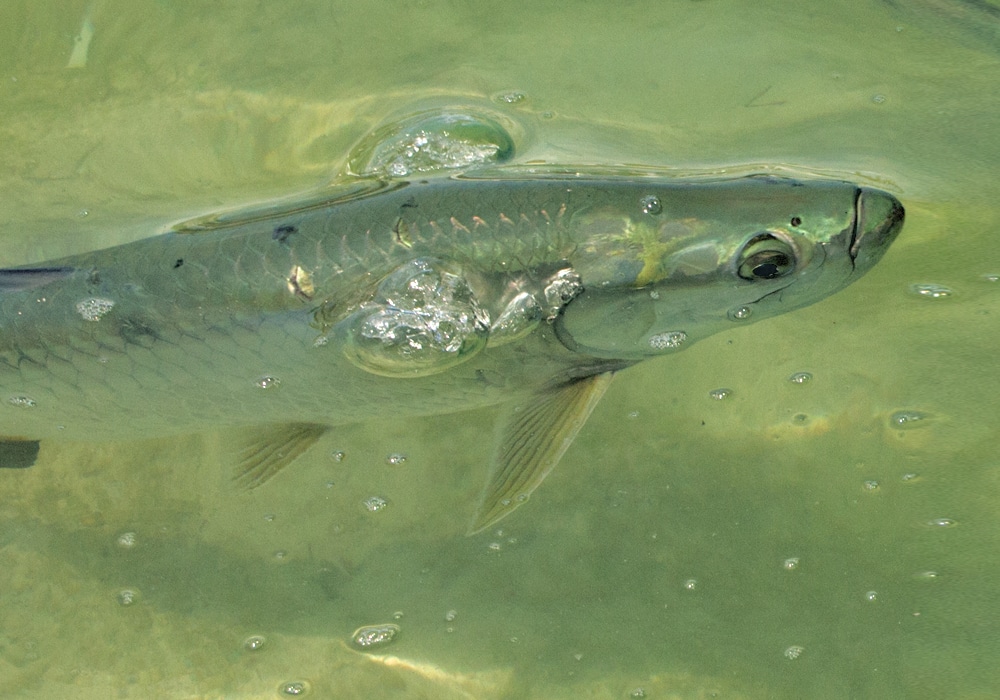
(272, 449)
(532, 440)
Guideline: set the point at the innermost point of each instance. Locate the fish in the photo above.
(376, 299)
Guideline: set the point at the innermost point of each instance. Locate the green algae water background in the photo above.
(829, 538)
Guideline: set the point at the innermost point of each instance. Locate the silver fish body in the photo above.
(384, 299)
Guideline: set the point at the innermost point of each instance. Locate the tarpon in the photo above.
(381, 299)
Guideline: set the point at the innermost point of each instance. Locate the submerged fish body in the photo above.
(382, 299)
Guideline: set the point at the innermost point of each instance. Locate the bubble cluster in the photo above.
(127, 597)
(669, 340)
(423, 320)
(21, 401)
(126, 540)
(931, 291)
(375, 503)
(267, 382)
(395, 459)
(793, 652)
(433, 141)
(294, 688)
(93, 308)
(374, 636)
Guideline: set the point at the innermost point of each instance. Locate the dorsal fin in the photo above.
(21, 279)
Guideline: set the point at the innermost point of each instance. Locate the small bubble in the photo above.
(338, 455)
(871, 486)
(931, 291)
(398, 615)
(127, 597)
(720, 394)
(21, 401)
(667, 341)
(637, 693)
(651, 204)
(926, 575)
(654, 295)
(793, 652)
(740, 313)
(269, 517)
(790, 564)
(871, 596)
(942, 522)
(83, 213)
(267, 382)
(374, 636)
(905, 420)
(253, 642)
(375, 503)
(126, 540)
(800, 419)
(909, 478)
(578, 657)
(879, 99)
(800, 378)
(691, 584)
(991, 277)
(450, 616)
(395, 458)
(280, 554)
(93, 308)
(511, 97)
(494, 546)
(633, 414)
(294, 688)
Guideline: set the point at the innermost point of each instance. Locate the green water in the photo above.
(685, 544)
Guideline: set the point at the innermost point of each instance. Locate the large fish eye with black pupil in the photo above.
(765, 257)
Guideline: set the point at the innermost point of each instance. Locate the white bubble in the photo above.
(667, 341)
(93, 308)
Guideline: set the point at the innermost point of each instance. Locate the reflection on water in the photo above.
(826, 537)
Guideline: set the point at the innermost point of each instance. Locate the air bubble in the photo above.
(790, 564)
(254, 642)
(375, 503)
(338, 455)
(739, 313)
(21, 401)
(907, 420)
(879, 98)
(871, 596)
(667, 341)
(637, 693)
(93, 308)
(931, 291)
(294, 688)
(396, 458)
(991, 277)
(793, 652)
(942, 522)
(800, 378)
(126, 540)
(871, 486)
(450, 616)
(651, 204)
(691, 584)
(720, 394)
(433, 141)
(424, 320)
(511, 97)
(267, 383)
(374, 636)
(127, 597)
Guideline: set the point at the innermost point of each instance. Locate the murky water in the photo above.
(826, 538)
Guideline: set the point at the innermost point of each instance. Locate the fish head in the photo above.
(691, 261)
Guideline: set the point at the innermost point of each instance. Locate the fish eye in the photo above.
(765, 257)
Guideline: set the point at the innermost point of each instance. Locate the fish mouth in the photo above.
(878, 218)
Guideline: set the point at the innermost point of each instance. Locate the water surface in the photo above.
(828, 539)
